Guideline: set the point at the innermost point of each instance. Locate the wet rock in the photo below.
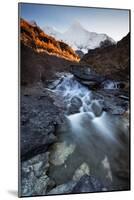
(63, 189)
(112, 102)
(60, 152)
(76, 101)
(87, 77)
(83, 73)
(88, 184)
(115, 105)
(80, 71)
(38, 164)
(124, 97)
(85, 184)
(91, 84)
(82, 170)
(118, 110)
(41, 184)
(75, 105)
(54, 83)
(96, 108)
(110, 84)
(34, 180)
(63, 128)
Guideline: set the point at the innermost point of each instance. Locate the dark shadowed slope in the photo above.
(112, 61)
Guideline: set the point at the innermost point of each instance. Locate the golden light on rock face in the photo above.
(35, 38)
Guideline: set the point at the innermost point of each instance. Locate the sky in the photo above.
(113, 22)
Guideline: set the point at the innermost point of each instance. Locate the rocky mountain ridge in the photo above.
(34, 37)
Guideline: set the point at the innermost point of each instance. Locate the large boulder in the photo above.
(86, 76)
(96, 108)
(85, 73)
(60, 152)
(81, 171)
(111, 102)
(75, 105)
(63, 189)
(88, 184)
(85, 184)
(34, 180)
(39, 117)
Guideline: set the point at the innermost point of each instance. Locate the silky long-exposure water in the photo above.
(90, 136)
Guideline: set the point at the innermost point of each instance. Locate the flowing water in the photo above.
(90, 137)
(111, 85)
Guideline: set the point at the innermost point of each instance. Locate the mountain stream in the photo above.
(91, 141)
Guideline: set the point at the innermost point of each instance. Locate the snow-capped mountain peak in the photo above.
(76, 25)
(79, 38)
(76, 30)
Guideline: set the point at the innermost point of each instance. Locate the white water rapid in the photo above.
(111, 85)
